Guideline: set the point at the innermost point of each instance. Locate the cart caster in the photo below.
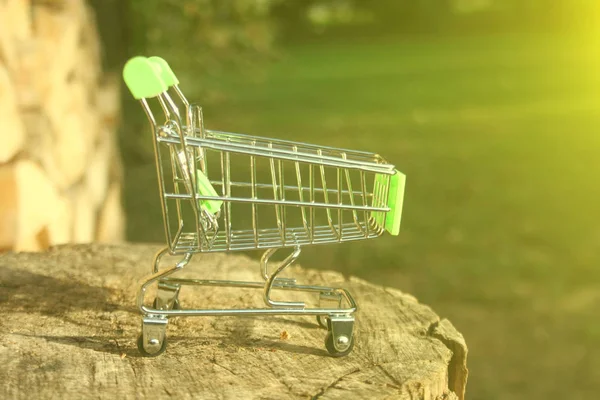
(159, 305)
(167, 297)
(328, 300)
(342, 341)
(339, 341)
(322, 321)
(153, 340)
(142, 349)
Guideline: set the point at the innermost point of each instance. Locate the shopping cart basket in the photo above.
(226, 191)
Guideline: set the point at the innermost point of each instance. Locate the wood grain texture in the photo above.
(69, 325)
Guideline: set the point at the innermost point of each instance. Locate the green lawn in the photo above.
(499, 138)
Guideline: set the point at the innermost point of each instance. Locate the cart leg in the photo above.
(340, 339)
(264, 268)
(328, 300)
(157, 259)
(153, 340)
(273, 277)
(167, 292)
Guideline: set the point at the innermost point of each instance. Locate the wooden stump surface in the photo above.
(69, 327)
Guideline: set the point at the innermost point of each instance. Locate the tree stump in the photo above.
(70, 323)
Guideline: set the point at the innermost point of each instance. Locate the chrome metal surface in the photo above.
(166, 296)
(341, 328)
(272, 278)
(331, 299)
(153, 334)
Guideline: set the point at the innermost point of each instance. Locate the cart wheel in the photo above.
(329, 345)
(176, 305)
(140, 345)
(322, 321)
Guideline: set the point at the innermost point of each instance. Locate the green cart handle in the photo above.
(148, 77)
(143, 78)
(391, 220)
(165, 72)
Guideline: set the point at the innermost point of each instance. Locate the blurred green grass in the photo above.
(499, 138)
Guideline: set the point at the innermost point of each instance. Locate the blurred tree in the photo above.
(430, 16)
(209, 35)
(112, 19)
(203, 38)
(292, 17)
(202, 35)
(199, 37)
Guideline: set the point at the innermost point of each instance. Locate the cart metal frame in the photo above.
(289, 211)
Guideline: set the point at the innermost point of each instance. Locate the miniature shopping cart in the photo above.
(230, 192)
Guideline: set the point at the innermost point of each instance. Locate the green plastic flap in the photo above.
(391, 220)
(166, 73)
(142, 78)
(205, 188)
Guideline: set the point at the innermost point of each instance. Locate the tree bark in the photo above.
(69, 327)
